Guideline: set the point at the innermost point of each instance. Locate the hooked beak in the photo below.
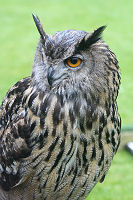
(55, 75)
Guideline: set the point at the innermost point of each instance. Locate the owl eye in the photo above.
(73, 62)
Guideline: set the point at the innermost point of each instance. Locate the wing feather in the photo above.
(14, 133)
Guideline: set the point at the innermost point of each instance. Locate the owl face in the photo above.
(72, 61)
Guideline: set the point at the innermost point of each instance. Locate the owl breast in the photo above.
(73, 141)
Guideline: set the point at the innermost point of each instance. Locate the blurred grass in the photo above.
(18, 39)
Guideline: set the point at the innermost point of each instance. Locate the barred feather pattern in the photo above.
(56, 145)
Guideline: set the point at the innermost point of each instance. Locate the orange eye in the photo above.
(73, 62)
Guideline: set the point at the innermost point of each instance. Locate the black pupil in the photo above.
(74, 60)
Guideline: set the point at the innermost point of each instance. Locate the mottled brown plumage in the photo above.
(60, 127)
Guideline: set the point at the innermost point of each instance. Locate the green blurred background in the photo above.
(18, 39)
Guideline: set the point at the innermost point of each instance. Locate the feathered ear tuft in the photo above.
(95, 36)
(91, 38)
(39, 27)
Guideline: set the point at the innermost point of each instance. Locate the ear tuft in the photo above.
(95, 36)
(90, 38)
(39, 27)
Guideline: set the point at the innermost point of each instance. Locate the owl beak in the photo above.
(55, 74)
(50, 75)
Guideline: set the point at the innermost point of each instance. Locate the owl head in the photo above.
(74, 62)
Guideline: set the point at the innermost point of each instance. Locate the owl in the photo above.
(60, 127)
